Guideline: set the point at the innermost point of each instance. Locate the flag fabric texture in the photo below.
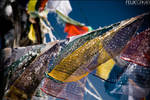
(138, 49)
(31, 34)
(63, 6)
(32, 76)
(67, 91)
(73, 30)
(94, 52)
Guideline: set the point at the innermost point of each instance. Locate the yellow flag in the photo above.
(74, 66)
(79, 63)
(104, 69)
(31, 5)
(31, 34)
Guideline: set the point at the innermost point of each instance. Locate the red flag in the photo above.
(138, 49)
(73, 30)
(43, 3)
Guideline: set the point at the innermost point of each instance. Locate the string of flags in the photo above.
(119, 53)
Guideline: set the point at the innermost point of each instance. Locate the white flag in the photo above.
(62, 6)
(46, 30)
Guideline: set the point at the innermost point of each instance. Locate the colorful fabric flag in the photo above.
(138, 49)
(79, 41)
(115, 43)
(31, 34)
(73, 30)
(73, 27)
(72, 46)
(135, 81)
(63, 6)
(89, 55)
(114, 75)
(110, 71)
(67, 91)
(135, 98)
(40, 95)
(31, 5)
(104, 69)
(25, 86)
(67, 19)
(43, 4)
(36, 5)
(17, 59)
(46, 31)
(69, 68)
(13, 71)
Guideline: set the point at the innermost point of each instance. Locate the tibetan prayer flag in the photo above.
(31, 5)
(46, 31)
(79, 41)
(117, 41)
(73, 30)
(104, 69)
(138, 49)
(31, 34)
(43, 4)
(36, 5)
(25, 86)
(13, 71)
(73, 27)
(72, 46)
(67, 19)
(135, 81)
(62, 6)
(18, 59)
(112, 79)
(92, 53)
(67, 91)
(111, 69)
(69, 69)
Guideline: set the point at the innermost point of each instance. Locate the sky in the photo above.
(99, 13)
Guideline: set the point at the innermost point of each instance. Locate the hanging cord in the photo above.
(92, 86)
(88, 91)
(98, 98)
